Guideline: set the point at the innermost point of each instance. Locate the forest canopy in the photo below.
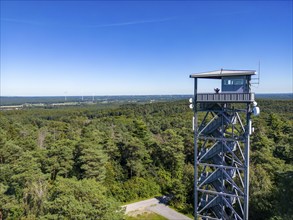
(84, 162)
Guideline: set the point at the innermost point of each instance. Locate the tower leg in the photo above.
(246, 153)
(195, 150)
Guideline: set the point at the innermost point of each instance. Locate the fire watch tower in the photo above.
(221, 145)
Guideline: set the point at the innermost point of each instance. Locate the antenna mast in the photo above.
(256, 81)
(259, 72)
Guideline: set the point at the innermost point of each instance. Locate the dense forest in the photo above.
(83, 162)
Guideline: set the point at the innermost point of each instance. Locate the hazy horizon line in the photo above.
(265, 93)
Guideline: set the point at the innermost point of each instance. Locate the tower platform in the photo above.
(225, 97)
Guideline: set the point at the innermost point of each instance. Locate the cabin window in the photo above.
(233, 82)
(238, 81)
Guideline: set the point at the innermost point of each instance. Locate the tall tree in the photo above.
(59, 158)
(92, 160)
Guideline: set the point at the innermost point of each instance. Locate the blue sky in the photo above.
(140, 48)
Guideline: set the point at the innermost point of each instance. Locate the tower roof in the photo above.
(218, 74)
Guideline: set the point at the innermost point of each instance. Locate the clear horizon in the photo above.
(276, 93)
(75, 48)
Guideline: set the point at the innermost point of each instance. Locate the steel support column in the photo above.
(195, 149)
(246, 171)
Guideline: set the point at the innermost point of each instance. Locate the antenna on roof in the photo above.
(259, 72)
(256, 81)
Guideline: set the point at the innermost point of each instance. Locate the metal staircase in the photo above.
(221, 158)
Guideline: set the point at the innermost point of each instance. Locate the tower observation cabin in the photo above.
(221, 145)
(235, 86)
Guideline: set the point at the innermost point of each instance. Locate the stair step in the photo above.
(216, 149)
(213, 126)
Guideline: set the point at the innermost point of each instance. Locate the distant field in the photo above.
(277, 96)
(7, 100)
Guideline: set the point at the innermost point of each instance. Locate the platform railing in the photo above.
(225, 97)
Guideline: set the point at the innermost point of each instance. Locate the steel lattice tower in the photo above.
(221, 145)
